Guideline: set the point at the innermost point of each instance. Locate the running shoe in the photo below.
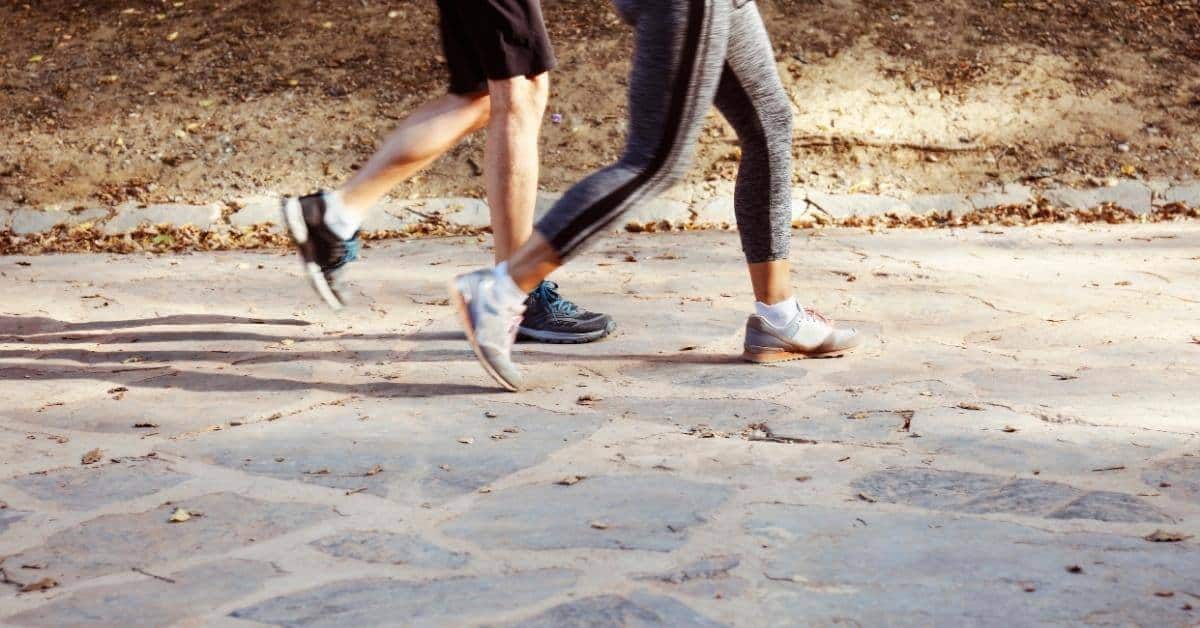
(325, 254)
(808, 335)
(491, 328)
(552, 319)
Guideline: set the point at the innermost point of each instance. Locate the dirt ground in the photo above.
(184, 101)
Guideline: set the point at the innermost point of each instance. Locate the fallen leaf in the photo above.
(1074, 569)
(466, 440)
(444, 467)
(321, 471)
(966, 405)
(1009, 429)
(512, 430)
(93, 456)
(355, 491)
(287, 342)
(40, 585)
(1028, 588)
(173, 36)
(1114, 468)
(866, 498)
(179, 516)
(1063, 378)
(1164, 594)
(146, 425)
(375, 470)
(34, 566)
(858, 416)
(489, 414)
(803, 478)
(599, 525)
(485, 489)
(1163, 536)
(587, 400)
(117, 390)
(571, 480)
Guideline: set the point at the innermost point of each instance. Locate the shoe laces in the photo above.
(547, 293)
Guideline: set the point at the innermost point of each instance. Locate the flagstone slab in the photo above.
(649, 512)
(383, 601)
(87, 488)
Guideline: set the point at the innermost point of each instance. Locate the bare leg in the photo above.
(422, 137)
(772, 281)
(511, 158)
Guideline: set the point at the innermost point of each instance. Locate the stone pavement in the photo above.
(1024, 414)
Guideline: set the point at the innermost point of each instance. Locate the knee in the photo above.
(519, 101)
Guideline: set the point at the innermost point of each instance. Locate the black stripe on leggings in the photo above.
(679, 97)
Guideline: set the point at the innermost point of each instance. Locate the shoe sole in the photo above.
(293, 217)
(772, 356)
(565, 338)
(464, 315)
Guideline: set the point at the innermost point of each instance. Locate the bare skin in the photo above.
(536, 260)
(512, 111)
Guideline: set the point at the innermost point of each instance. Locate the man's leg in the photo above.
(422, 137)
(511, 158)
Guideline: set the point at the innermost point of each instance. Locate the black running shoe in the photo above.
(325, 254)
(553, 319)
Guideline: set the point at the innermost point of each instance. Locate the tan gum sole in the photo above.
(772, 356)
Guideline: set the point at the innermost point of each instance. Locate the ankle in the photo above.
(778, 314)
(342, 220)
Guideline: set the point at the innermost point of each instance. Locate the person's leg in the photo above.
(753, 100)
(426, 134)
(679, 49)
(511, 158)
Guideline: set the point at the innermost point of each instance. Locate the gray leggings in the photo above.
(689, 55)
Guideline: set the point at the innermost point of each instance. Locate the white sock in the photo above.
(779, 314)
(340, 221)
(507, 293)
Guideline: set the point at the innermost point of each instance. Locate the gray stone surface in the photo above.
(27, 221)
(857, 567)
(636, 611)
(467, 212)
(374, 546)
(154, 602)
(940, 203)
(257, 210)
(279, 413)
(1132, 195)
(1007, 194)
(328, 447)
(982, 493)
(1186, 193)
(1177, 477)
(379, 601)
(847, 205)
(657, 210)
(88, 488)
(118, 543)
(393, 216)
(1111, 506)
(716, 211)
(653, 513)
(130, 217)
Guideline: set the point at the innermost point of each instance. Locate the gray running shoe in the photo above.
(809, 335)
(490, 329)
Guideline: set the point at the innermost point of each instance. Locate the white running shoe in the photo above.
(808, 335)
(491, 329)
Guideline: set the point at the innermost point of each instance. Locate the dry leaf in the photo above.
(321, 471)
(1074, 569)
(489, 414)
(1163, 536)
(375, 470)
(92, 457)
(966, 405)
(466, 440)
(587, 400)
(866, 498)
(599, 525)
(356, 491)
(1009, 429)
(1164, 593)
(179, 516)
(173, 36)
(485, 489)
(145, 425)
(571, 480)
(40, 585)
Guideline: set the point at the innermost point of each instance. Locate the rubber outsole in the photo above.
(560, 338)
(777, 356)
(464, 315)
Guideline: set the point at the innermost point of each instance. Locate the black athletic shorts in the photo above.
(493, 39)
